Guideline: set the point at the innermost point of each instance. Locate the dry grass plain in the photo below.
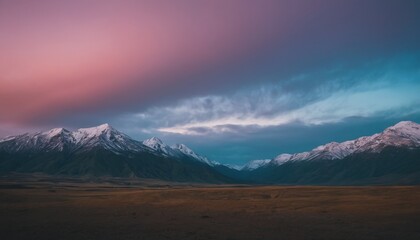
(41, 209)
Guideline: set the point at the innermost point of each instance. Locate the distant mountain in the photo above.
(254, 164)
(392, 156)
(103, 151)
(156, 145)
(190, 153)
(60, 139)
(177, 150)
(402, 135)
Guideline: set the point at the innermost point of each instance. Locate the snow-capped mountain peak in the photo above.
(82, 134)
(96, 131)
(55, 132)
(106, 136)
(402, 134)
(103, 136)
(187, 151)
(54, 139)
(176, 150)
(82, 139)
(405, 125)
(282, 158)
(182, 147)
(153, 142)
(158, 146)
(405, 129)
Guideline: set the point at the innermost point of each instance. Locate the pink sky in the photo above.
(58, 58)
(239, 74)
(88, 58)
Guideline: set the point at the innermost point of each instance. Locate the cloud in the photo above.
(208, 72)
(341, 94)
(76, 57)
(96, 59)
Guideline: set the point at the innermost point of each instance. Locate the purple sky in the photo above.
(233, 79)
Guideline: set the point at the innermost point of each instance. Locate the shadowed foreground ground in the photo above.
(108, 211)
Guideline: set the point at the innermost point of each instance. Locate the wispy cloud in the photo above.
(339, 95)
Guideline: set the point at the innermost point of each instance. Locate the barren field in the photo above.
(145, 210)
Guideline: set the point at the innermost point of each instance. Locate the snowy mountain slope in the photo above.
(104, 136)
(60, 139)
(157, 146)
(176, 150)
(403, 134)
(190, 153)
(390, 157)
(254, 164)
(54, 139)
(103, 151)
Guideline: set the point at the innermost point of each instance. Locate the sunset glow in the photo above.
(234, 71)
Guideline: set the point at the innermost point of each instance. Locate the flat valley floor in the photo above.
(70, 209)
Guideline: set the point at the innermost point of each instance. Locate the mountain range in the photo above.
(103, 151)
(389, 157)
